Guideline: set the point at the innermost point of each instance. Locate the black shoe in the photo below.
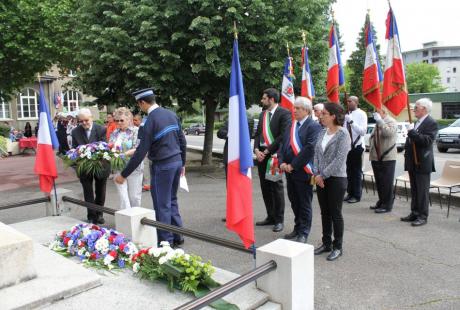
(381, 210)
(278, 227)
(265, 222)
(334, 255)
(322, 249)
(353, 200)
(348, 197)
(409, 218)
(301, 239)
(373, 207)
(100, 220)
(223, 219)
(178, 242)
(291, 235)
(418, 222)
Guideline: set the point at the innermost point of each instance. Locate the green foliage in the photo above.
(423, 78)
(355, 69)
(4, 131)
(34, 35)
(3, 149)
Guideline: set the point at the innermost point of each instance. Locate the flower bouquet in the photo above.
(95, 246)
(182, 271)
(95, 159)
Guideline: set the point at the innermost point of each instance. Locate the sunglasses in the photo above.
(119, 120)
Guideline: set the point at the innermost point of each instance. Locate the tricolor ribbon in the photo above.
(272, 164)
(296, 146)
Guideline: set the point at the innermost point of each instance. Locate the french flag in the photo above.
(239, 180)
(45, 162)
(287, 87)
(394, 82)
(306, 89)
(335, 77)
(372, 75)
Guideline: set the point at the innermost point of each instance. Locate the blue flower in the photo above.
(121, 263)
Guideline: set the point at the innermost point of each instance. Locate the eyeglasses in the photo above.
(85, 120)
(119, 120)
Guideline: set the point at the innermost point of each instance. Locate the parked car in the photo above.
(449, 137)
(400, 138)
(195, 129)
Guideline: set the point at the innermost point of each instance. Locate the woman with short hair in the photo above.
(124, 139)
(330, 171)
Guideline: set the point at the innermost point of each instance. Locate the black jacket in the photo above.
(423, 138)
(279, 124)
(79, 135)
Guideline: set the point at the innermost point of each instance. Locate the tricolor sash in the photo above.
(273, 173)
(296, 146)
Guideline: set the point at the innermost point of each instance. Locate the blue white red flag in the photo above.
(306, 89)
(394, 83)
(45, 162)
(287, 87)
(372, 75)
(335, 77)
(239, 179)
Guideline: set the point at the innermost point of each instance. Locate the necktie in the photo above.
(269, 116)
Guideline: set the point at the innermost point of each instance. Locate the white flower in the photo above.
(186, 257)
(179, 252)
(81, 252)
(156, 252)
(116, 155)
(82, 155)
(69, 244)
(106, 156)
(108, 259)
(136, 267)
(87, 254)
(162, 260)
(53, 245)
(102, 244)
(86, 231)
(164, 244)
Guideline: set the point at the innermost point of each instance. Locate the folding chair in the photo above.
(369, 173)
(405, 179)
(450, 178)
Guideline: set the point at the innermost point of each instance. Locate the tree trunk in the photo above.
(211, 106)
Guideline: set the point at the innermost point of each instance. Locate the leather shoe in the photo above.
(322, 249)
(301, 239)
(409, 218)
(291, 235)
(373, 207)
(418, 222)
(334, 255)
(381, 210)
(100, 220)
(265, 222)
(178, 242)
(348, 197)
(278, 227)
(353, 200)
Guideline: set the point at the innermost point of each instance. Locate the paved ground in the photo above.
(387, 264)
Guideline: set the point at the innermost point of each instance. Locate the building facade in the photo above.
(446, 58)
(23, 107)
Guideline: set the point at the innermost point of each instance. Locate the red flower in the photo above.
(93, 256)
(122, 247)
(81, 243)
(111, 238)
(114, 254)
(66, 240)
(95, 227)
(63, 233)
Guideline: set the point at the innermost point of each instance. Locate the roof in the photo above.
(437, 97)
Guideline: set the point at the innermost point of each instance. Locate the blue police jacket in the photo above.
(162, 138)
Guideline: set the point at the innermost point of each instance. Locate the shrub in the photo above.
(4, 131)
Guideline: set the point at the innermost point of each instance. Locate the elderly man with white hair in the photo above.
(317, 109)
(419, 161)
(296, 157)
(88, 132)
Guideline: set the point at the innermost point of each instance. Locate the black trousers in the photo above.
(330, 200)
(355, 172)
(300, 194)
(384, 174)
(96, 195)
(419, 191)
(273, 194)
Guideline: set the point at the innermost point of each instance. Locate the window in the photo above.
(72, 100)
(435, 53)
(27, 104)
(450, 109)
(425, 53)
(454, 70)
(448, 80)
(4, 109)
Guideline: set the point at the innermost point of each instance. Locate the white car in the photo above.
(449, 137)
(400, 139)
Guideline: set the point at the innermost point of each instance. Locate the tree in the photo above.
(423, 78)
(356, 68)
(183, 48)
(32, 39)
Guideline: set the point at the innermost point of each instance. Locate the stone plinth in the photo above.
(292, 283)
(128, 222)
(16, 257)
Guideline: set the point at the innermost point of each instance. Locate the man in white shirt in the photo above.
(356, 124)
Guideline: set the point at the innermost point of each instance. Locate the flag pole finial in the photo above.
(287, 47)
(304, 38)
(235, 32)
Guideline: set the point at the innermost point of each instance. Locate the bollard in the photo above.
(292, 283)
(128, 222)
(56, 206)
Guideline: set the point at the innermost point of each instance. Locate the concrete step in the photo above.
(123, 290)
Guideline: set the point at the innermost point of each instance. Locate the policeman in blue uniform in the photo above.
(165, 144)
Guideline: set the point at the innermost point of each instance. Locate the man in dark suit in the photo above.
(277, 121)
(420, 164)
(296, 157)
(165, 144)
(89, 132)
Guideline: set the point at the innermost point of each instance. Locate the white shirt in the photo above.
(88, 131)
(152, 107)
(326, 138)
(420, 121)
(358, 127)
